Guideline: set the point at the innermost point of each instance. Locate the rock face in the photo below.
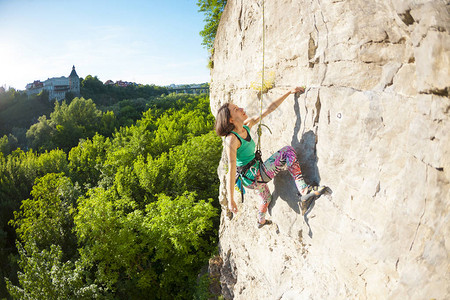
(373, 125)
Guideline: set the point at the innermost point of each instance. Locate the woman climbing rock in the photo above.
(233, 123)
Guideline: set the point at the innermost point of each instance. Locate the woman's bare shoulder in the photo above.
(231, 141)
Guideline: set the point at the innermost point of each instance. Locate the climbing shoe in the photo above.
(312, 193)
(259, 225)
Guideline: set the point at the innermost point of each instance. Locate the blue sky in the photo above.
(148, 41)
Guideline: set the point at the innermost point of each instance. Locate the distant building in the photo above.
(37, 84)
(57, 87)
(120, 83)
(124, 83)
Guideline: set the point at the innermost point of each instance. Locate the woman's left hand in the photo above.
(298, 89)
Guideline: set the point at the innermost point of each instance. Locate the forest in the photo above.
(109, 199)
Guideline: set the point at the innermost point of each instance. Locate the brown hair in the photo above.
(223, 125)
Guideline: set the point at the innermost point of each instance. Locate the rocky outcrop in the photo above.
(373, 125)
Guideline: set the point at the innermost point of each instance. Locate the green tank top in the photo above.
(246, 152)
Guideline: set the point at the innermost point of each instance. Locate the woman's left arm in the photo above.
(272, 106)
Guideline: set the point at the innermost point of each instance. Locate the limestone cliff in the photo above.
(373, 125)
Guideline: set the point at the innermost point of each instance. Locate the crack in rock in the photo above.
(439, 92)
(318, 106)
(312, 48)
(377, 190)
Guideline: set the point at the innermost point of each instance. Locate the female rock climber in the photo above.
(233, 123)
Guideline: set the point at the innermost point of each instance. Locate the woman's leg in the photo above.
(264, 193)
(286, 157)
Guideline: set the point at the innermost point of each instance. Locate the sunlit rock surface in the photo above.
(373, 125)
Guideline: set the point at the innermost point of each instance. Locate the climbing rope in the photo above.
(258, 159)
(263, 86)
(259, 130)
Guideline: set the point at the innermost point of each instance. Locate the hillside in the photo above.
(373, 125)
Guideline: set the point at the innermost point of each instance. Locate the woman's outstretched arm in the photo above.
(272, 106)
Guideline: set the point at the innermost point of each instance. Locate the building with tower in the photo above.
(57, 87)
(74, 82)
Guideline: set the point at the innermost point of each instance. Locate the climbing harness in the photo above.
(253, 167)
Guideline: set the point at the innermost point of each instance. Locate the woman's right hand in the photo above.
(232, 206)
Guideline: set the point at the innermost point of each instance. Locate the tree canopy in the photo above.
(212, 9)
(96, 213)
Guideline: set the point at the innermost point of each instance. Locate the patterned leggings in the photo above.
(284, 157)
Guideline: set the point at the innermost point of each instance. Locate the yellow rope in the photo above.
(259, 131)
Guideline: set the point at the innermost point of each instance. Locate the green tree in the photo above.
(108, 124)
(42, 96)
(86, 160)
(79, 119)
(178, 228)
(157, 251)
(188, 167)
(7, 144)
(212, 10)
(45, 275)
(128, 115)
(176, 127)
(40, 135)
(114, 246)
(92, 86)
(44, 225)
(128, 144)
(20, 134)
(194, 165)
(153, 176)
(17, 110)
(67, 124)
(138, 164)
(46, 219)
(18, 172)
